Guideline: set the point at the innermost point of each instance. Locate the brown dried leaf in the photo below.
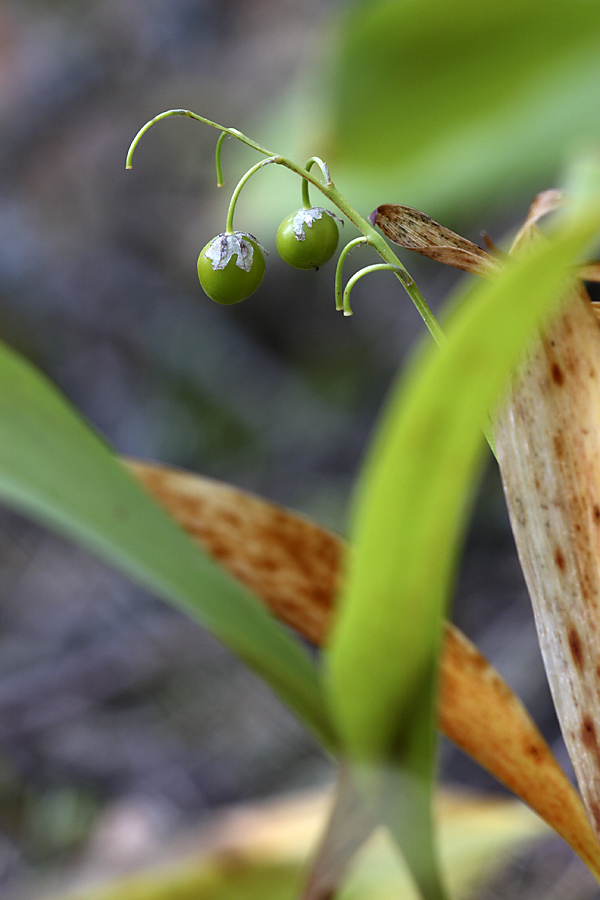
(291, 563)
(589, 271)
(414, 230)
(543, 204)
(481, 714)
(294, 566)
(548, 440)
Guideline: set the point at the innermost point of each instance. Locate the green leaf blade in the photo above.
(54, 468)
(409, 518)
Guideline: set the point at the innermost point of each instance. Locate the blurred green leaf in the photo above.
(349, 825)
(444, 105)
(56, 469)
(408, 520)
(266, 855)
(475, 835)
(210, 880)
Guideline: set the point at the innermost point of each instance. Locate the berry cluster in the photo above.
(232, 265)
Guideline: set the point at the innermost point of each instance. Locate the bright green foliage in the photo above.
(449, 104)
(56, 469)
(408, 521)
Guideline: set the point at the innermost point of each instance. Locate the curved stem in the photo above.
(305, 194)
(314, 160)
(317, 161)
(350, 246)
(190, 115)
(234, 197)
(377, 267)
(218, 165)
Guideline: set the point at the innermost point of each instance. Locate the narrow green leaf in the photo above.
(350, 824)
(409, 518)
(460, 102)
(56, 469)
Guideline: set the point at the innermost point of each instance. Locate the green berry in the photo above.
(308, 238)
(231, 267)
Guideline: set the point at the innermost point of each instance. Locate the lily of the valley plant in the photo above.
(518, 361)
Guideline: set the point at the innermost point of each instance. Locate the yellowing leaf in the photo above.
(548, 441)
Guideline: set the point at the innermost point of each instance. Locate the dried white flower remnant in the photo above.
(226, 245)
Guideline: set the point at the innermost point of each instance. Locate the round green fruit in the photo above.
(220, 274)
(319, 243)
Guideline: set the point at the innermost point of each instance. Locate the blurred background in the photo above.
(121, 723)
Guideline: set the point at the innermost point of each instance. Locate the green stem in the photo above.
(190, 115)
(218, 165)
(314, 160)
(305, 195)
(377, 267)
(238, 188)
(339, 304)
